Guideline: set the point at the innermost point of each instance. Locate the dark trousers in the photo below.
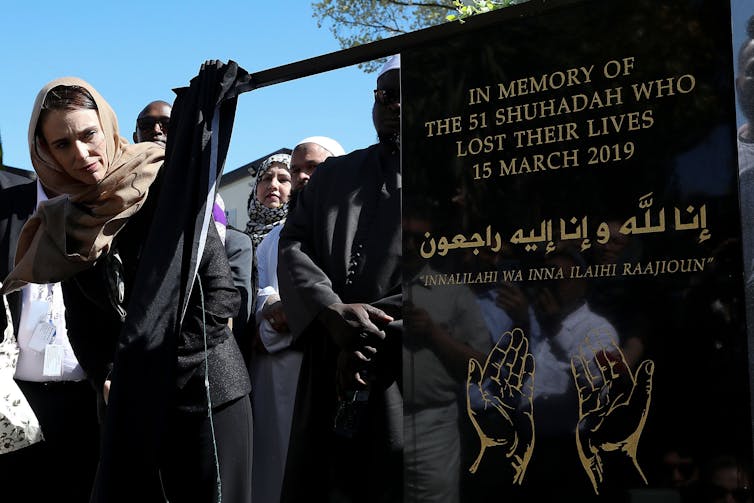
(62, 467)
(322, 466)
(189, 473)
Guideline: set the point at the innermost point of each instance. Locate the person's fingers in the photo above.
(359, 379)
(364, 356)
(369, 339)
(373, 331)
(376, 314)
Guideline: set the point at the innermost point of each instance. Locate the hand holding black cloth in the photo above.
(144, 375)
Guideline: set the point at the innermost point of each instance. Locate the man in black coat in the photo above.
(16, 206)
(340, 284)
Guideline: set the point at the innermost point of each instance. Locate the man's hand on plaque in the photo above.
(350, 324)
(499, 401)
(613, 406)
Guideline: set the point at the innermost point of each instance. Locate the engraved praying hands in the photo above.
(613, 405)
(499, 401)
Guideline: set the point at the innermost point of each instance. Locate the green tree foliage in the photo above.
(466, 8)
(356, 22)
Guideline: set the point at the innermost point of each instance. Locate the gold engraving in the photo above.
(442, 127)
(550, 232)
(553, 107)
(662, 88)
(539, 162)
(546, 135)
(476, 146)
(613, 404)
(499, 401)
(545, 82)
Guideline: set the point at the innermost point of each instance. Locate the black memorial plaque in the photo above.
(575, 322)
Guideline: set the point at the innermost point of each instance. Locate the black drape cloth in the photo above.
(144, 374)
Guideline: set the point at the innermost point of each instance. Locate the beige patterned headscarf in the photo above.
(69, 232)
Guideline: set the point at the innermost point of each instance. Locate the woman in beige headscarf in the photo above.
(106, 180)
(89, 236)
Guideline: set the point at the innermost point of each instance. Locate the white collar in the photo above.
(41, 195)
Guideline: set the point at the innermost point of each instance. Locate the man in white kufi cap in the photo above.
(326, 143)
(392, 63)
(306, 156)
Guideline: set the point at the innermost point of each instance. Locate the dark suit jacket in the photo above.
(238, 249)
(8, 179)
(342, 243)
(17, 204)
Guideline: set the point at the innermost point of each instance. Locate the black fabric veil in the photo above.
(144, 373)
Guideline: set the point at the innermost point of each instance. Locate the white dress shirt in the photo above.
(30, 362)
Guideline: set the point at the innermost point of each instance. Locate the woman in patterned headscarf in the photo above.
(268, 204)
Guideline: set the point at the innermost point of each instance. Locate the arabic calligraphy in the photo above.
(459, 241)
(549, 232)
(657, 223)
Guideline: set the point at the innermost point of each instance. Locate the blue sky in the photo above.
(138, 51)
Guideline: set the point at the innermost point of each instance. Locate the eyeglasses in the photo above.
(387, 97)
(148, 123)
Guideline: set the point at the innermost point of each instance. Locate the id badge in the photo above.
(42, 336)
(53, 364)
(38, 311)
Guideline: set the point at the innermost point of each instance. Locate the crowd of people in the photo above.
(74, 250)
(289, 376)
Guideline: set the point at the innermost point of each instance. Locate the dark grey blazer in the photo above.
(238, 250)
(17, 204)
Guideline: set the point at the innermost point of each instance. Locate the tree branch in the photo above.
(431, 5)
